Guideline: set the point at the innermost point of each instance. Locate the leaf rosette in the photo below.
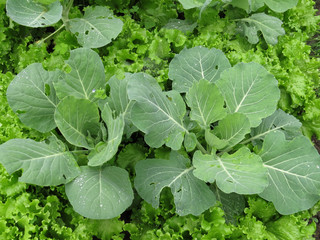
(219, 132)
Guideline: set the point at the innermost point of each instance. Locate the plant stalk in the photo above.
(46, 38)
(201, 148)
(65, 13)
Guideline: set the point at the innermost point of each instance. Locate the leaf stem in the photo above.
(79, 151)
(249, 140)
(65, 13)
(46, 38)
(225, 5)
(201, 148)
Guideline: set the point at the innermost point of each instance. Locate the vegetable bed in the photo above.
(188, 119)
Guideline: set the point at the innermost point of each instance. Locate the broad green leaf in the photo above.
(115, 131)
(96, 28)
(250, 89)
(232, 128)
(241, 172)
(190, 141)
(269, 26)
(31, 14)
(243, 4)
(178, 101)
(281, 6)
(86, 76)
(248, 5)
(213, 141)
(206, 103)
(187, 4)
(100, 193)
(154, 113)
(293, 172)
(175, 139)
(118, 99)
(256, 4)
(120, 102)
(41, 164)
(31, 95)
(279, 121)
(55, 143)
(192, 65)
(191, 195)
(233, 205)
(76, 118)
(184, 26)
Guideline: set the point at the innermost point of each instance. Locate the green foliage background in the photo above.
(29, 212)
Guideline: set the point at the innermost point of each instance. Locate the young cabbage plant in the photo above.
(226, 118)
(47, 101)
(219, 124)
(254, 23)
(95, 29)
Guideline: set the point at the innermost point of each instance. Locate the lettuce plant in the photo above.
(220, 123)
(95, 29)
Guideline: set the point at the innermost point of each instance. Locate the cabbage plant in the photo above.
(219, 124)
